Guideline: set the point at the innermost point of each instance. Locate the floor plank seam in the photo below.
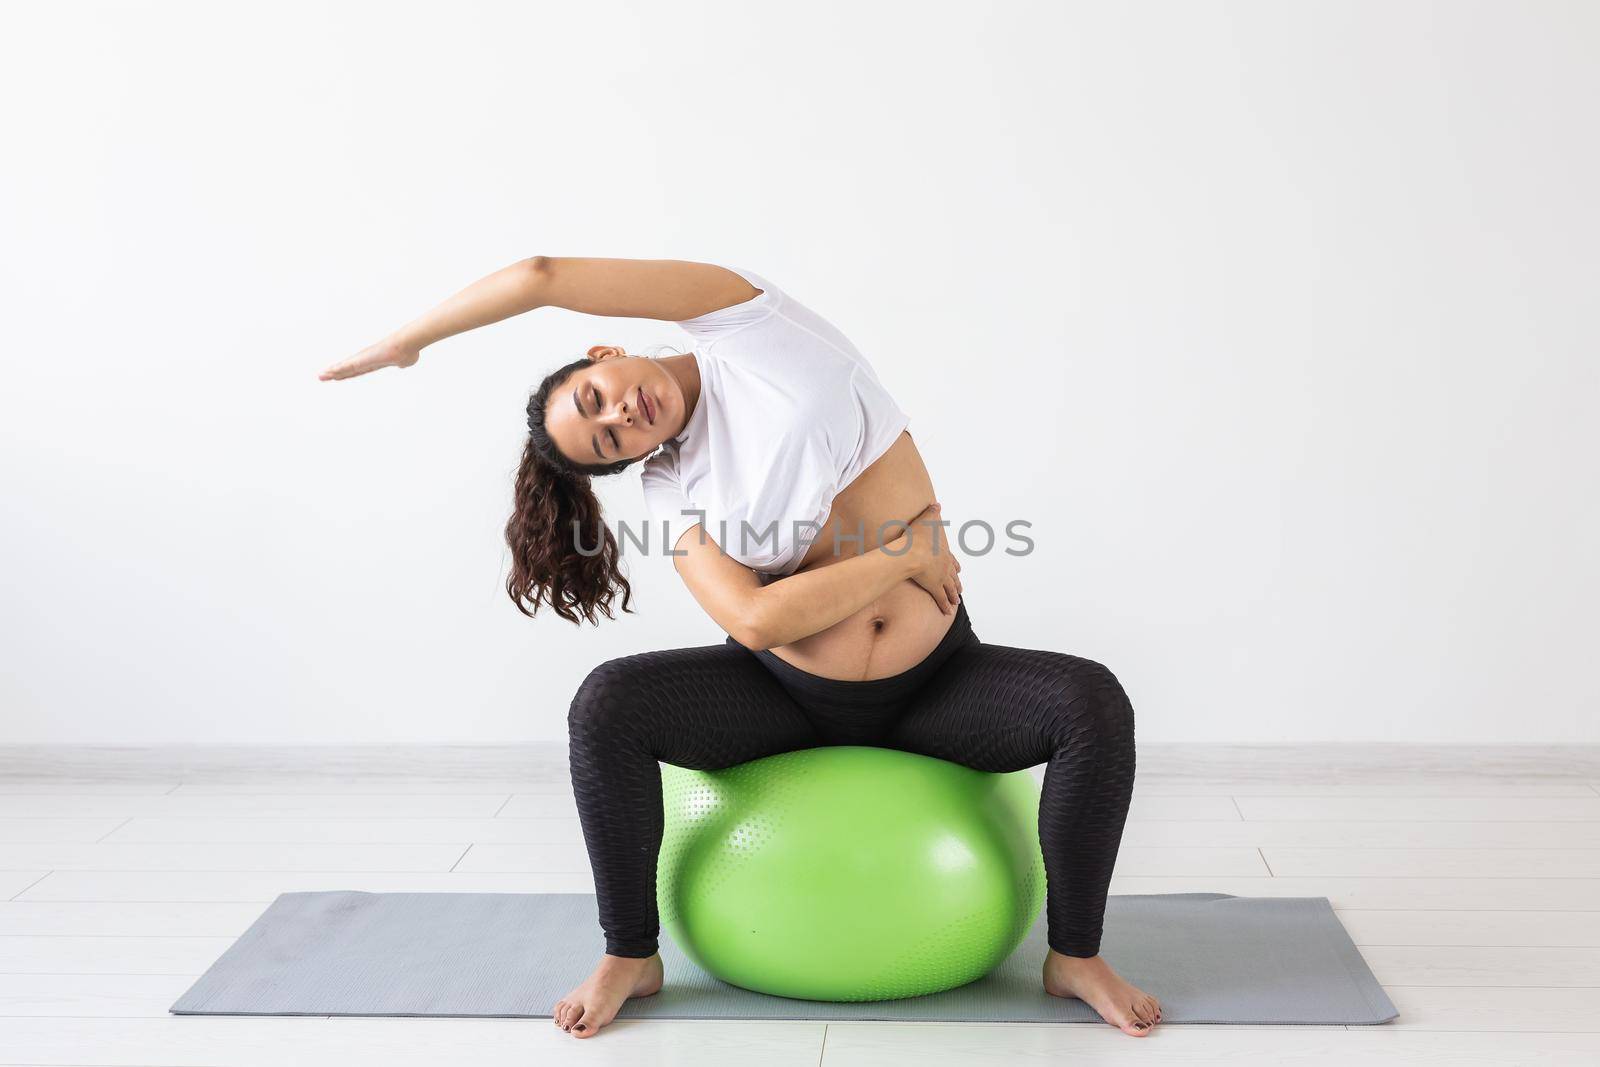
(1391, 821)
(1493, 988)
(1485, 911)
(1390, 848)
(1425, 1029)
(101, 974)
(279, 870)
(114, 937)
(263, 900)
(114, 829)
(1453, 945)
(1361, 907)
(30, 885)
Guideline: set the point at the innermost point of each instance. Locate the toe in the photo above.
(585, 1026)
(1128, 1021)
(555, 1012)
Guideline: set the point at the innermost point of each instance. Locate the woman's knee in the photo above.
(1092, 705)
(610, 696)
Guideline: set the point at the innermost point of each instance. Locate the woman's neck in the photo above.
(685, 371)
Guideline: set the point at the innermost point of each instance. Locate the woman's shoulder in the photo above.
(716, 325)
(662, 465)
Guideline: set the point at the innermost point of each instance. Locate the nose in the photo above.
(619, 415)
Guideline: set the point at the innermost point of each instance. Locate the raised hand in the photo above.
(389, 352)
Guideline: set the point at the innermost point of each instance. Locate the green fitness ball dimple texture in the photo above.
(849, 873)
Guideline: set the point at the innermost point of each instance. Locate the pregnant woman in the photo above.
(799, 513)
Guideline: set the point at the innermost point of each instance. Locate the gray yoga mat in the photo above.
(1210, 957)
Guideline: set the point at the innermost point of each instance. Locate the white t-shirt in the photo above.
(789, 413)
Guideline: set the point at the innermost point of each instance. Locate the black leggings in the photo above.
(984, 706)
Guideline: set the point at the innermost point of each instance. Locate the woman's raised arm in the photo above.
(669, 289)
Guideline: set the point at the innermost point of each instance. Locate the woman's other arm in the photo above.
(669, 289)
(767, 616)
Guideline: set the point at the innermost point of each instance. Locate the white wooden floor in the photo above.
(1469, 877)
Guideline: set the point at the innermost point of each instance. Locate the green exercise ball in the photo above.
(849, 873)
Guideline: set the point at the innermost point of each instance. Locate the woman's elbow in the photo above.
(754, 628)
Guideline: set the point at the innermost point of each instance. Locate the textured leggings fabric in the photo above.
(984, 706)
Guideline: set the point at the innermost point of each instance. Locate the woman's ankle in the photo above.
(1070, 960)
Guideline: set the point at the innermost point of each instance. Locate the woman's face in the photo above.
(619, 407)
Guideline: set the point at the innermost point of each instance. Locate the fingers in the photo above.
(368, 359)
(343, 370)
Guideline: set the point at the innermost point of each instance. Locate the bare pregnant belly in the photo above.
(898, 630)
(892, 635)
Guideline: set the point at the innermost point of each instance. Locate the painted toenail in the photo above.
(580, 1026)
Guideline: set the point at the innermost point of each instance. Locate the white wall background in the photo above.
(1316, 280)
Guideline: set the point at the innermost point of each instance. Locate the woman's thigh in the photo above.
(704, 708)
(998, 708)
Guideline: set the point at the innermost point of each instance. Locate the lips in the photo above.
(648, 406)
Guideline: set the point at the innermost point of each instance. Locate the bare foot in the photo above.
(1091, 980)
(595, 1003)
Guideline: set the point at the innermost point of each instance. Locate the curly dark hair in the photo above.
(553, 508)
